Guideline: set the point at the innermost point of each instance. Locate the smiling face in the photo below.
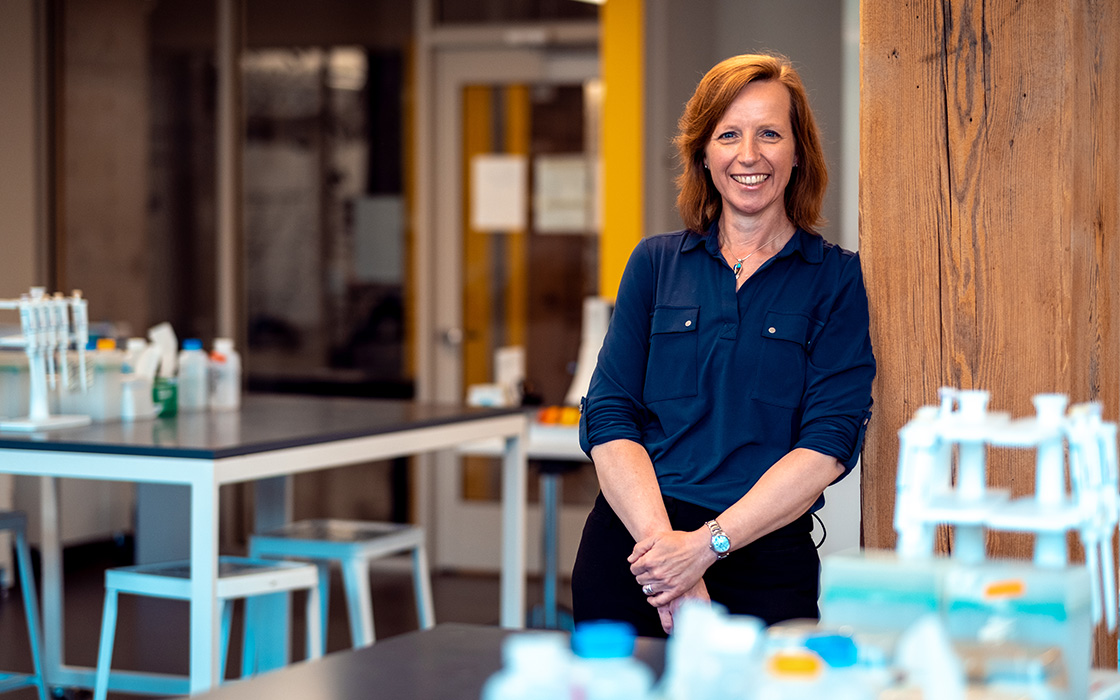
(752, 152)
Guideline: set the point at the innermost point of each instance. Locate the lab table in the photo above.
(267, 441)
(448, 662)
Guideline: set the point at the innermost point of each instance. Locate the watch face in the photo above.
(721, 544)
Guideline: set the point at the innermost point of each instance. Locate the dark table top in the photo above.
(265, 422)
(449, 662)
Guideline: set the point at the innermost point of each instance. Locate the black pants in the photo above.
(775, 578)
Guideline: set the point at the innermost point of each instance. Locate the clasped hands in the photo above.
(670, 567)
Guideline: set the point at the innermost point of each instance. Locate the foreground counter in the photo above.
(450, 662)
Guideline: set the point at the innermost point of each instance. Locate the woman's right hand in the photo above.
(672, 562)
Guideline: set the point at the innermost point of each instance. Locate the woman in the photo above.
(734, 383)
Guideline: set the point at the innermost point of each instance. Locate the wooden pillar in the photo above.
(989, 224)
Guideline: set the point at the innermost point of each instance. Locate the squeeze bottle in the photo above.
(225, 376)
(536, 665)
(194, 383)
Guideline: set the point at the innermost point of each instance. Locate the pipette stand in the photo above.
(49, 325)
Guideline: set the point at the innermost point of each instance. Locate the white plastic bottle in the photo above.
(136, 386)
(225, 376)
(536, 665)
(604, 667)
(711, 655)
(194, 380)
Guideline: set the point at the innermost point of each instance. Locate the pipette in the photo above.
(78, 306)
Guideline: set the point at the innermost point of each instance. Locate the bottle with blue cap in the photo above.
(604, 667)
(194, 377)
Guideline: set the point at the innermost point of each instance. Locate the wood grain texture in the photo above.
(902, 177)
(989, 220)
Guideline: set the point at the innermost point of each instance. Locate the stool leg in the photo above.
(227, 623)
(422, 584)
(249, 639)
(31, 609)
(324, 596)
(359, 604)
(316, 627)
(550, 497)
(105, 647)
(249, 633)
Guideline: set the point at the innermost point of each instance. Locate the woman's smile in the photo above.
(749, 179)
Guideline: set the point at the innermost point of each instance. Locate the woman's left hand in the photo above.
(671, 563)
(668, 613)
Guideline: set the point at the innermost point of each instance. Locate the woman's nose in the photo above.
(748, 151)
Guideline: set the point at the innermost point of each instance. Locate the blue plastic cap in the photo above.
(192, 344)
(837, 650)
(603, 639)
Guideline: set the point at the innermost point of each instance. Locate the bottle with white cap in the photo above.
(536, 665)
(225, 376)
(136, 384)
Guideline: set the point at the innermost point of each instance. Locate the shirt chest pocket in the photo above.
(673, 346)
(787, 340)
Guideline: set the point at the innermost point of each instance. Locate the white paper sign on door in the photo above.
(498, 192)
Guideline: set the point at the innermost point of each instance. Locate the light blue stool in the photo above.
(16, 522)
(353, 545)
(238, 577)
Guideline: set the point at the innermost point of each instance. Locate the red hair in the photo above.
(698, 201)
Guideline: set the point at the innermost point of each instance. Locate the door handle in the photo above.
(452, 337)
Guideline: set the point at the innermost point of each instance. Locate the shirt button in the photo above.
(772, 329)
(687, 324)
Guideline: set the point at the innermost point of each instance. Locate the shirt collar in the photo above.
(810, 246)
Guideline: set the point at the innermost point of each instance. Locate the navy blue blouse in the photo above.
(720, 384)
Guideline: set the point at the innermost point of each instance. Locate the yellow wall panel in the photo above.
(622, 53)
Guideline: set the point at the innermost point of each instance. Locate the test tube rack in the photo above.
(49, 325)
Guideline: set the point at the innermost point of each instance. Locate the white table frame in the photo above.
(271, 470)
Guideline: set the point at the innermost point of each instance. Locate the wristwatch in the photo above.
(720, 544)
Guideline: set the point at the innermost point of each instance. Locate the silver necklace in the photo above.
(737, 268)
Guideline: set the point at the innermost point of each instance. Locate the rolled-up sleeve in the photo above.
(613, 407)
(836, 405)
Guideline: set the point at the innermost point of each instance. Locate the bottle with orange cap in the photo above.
(101, 400)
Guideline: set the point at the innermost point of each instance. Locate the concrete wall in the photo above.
(20, 231)
(104, 137)
(19, 265)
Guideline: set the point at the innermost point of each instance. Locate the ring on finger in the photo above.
(648, 589)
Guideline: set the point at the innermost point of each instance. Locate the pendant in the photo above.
(737, 268)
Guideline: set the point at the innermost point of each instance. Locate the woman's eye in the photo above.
(771, 134)
(726, 135)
